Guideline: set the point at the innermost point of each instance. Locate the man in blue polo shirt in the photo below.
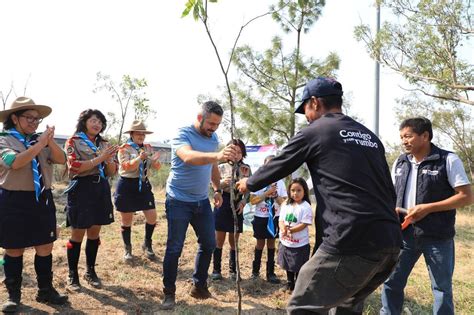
(430, 183)
(193, 166)
(357, 230)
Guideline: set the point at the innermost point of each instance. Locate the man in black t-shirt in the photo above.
(358, 233)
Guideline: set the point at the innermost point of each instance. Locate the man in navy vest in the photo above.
(430, 183)
(358, 234)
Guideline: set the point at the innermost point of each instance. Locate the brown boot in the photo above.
(200, 293)
(169, 301)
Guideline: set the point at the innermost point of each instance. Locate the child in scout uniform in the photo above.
(223, 217)
(133, 191)
(267, 203)
(27, 210)
(90, 160)
(295, 217)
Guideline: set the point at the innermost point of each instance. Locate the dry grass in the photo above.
(137, 288)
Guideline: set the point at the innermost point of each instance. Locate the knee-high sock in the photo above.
(73, 254)
(92, 247)
(126, 231)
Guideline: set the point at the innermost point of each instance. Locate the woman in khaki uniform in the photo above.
(27, 210)
(133, 191)
(90, 160)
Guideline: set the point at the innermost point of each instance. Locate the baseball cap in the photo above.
(321, 86)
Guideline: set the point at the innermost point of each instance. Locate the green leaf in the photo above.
(188, 7)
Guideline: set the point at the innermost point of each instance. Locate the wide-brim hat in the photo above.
(25, 103)
(139, 126)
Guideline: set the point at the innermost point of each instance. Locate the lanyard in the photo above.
(83, 136)
(270, 224)
(37, 176)
(140, 174)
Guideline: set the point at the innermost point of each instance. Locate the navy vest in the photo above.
(431, 185)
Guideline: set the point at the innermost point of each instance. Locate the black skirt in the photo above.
(128, 198)
(24, 222)
(89, 203)
(293, 258)
(260, 230)
(224, 219)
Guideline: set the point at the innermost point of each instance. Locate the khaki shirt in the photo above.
(127, 153)
(225, 169)
(79, 152)
(21, 179)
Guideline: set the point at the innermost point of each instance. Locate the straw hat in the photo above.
(22, 103)
(138, 125)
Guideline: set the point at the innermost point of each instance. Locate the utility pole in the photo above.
(377, 78)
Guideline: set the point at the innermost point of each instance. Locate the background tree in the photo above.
(4, 96)
(424, 44)
(129, 91)
(199, 9)
(267, 94)
(452, 124)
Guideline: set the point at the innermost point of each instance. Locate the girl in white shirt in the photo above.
(295, 217)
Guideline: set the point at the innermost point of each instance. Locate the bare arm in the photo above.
(298, 227)
(190, 156)
(215, 177)
(25, 157)
(461, 198)
(58, 156)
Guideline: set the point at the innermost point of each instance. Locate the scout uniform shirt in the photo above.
(127, 153)
(21, 179)
(79, 152)
(225, 169)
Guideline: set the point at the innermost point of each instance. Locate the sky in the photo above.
(55, 48)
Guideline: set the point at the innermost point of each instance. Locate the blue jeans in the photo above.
(179, 215)
(439, 258)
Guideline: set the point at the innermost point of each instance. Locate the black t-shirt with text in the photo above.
(355, 210)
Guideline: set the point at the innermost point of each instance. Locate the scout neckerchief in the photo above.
(270, 202)
(94, 148)
(35, 166)
(142, 166)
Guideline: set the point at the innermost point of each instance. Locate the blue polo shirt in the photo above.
(188, 182)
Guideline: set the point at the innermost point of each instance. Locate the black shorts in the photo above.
(292, 258)
(89, 203)
(224, 219)
(260, 230)
(128, 197)
(24, 222)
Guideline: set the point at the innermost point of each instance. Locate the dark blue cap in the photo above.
(319, 87)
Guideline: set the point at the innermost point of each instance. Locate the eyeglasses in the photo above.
(95, 121)
(32, 120)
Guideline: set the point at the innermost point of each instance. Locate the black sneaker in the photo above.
(127, 257)
(255, 276)
(216, 275)
(73, 283)
(92, 278)
(200, 293)
(10, 306)
(290, 286)
(51, 296)
(272, 278)
(148, 250)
